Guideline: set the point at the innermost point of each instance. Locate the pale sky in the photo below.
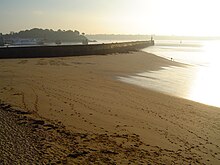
(160, 17)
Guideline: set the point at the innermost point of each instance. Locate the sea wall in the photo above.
(72, 50)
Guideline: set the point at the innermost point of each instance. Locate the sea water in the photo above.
(199, 80)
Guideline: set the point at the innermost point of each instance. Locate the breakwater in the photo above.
(72, 50)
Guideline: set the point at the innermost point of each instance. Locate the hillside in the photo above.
(48, 35)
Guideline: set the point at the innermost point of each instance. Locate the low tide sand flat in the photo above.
(83, 114)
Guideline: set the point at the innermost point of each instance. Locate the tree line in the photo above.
(47, 35)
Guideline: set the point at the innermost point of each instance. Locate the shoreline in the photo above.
(82, 94)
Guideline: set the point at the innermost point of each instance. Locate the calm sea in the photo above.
(198, 81)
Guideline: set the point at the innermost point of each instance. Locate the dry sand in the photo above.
(83, 114)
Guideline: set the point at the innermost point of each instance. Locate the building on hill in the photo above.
(1, 40)
(85, 41)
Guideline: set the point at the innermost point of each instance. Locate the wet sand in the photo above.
(95, 118)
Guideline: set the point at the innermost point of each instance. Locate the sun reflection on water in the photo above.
(206, 81)
(200, 81)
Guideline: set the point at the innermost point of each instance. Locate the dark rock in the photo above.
(38, 122)
(21, 112)
(5, 106)
(77, 154)
(108, 152)
(51, 126)
(83, 136)
(23, 123)
(67, 133)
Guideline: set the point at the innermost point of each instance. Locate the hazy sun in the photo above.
(169, 17)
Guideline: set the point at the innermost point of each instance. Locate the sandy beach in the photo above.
(79, 113)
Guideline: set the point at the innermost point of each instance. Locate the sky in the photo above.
(159, 17)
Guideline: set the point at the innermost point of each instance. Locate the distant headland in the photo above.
(40, 36)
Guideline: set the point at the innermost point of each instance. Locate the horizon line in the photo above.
(126, 34)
